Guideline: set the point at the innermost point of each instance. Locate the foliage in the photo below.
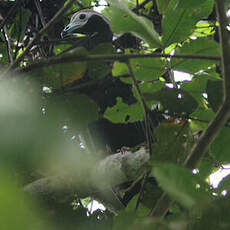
(61, 89)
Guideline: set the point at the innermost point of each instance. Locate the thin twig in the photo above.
(118, 57)
(144, 105)
(39, 34)
(9, 47)
(39, 9)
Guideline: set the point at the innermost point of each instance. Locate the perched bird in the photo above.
(92, 24)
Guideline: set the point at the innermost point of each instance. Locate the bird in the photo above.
(94, 25)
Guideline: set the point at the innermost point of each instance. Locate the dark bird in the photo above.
(92, 24)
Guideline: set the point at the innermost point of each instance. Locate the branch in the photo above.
(38, 36)
(145, 107)
(39, 9)
(119, 57)
(208, 136)
(98, 182)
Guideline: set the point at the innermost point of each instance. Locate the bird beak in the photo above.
(69, 30)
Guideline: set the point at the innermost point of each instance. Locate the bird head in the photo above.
(90, 23)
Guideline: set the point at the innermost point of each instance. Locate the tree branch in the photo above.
(98, 183)
(96, 57)
(145, 107)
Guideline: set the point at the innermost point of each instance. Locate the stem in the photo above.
(119, 57)
(145, 108)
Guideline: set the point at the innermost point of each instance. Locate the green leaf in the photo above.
(147, 69)
(197, 86)
(176, 101)
(162, 5)
(179, 22)
(190, 3)
(3, 51)
(215, 215)
(221, 145)
(120, 68)
(200, 118)
(148, 90)
(77, 110)
(183, 186)
(141, 211)
(201, 47)
(123, 20)
(60, 75)
(215, 94)
(15, 205)
(203, 29)
(174, 141)
(121, 112)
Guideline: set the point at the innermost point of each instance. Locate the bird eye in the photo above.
(82, 16)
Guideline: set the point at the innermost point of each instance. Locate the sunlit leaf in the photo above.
(121, 112)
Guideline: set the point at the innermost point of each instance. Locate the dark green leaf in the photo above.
(201, 47)
(179, 22)
(174, 141)
(148, 90)
(201, 117)
(183, 186)
(215, 94)
(197, 87)
(221, 145)
(176, 101)
(141, 211)
(214, 216)
(76, 109)
(3, 53)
